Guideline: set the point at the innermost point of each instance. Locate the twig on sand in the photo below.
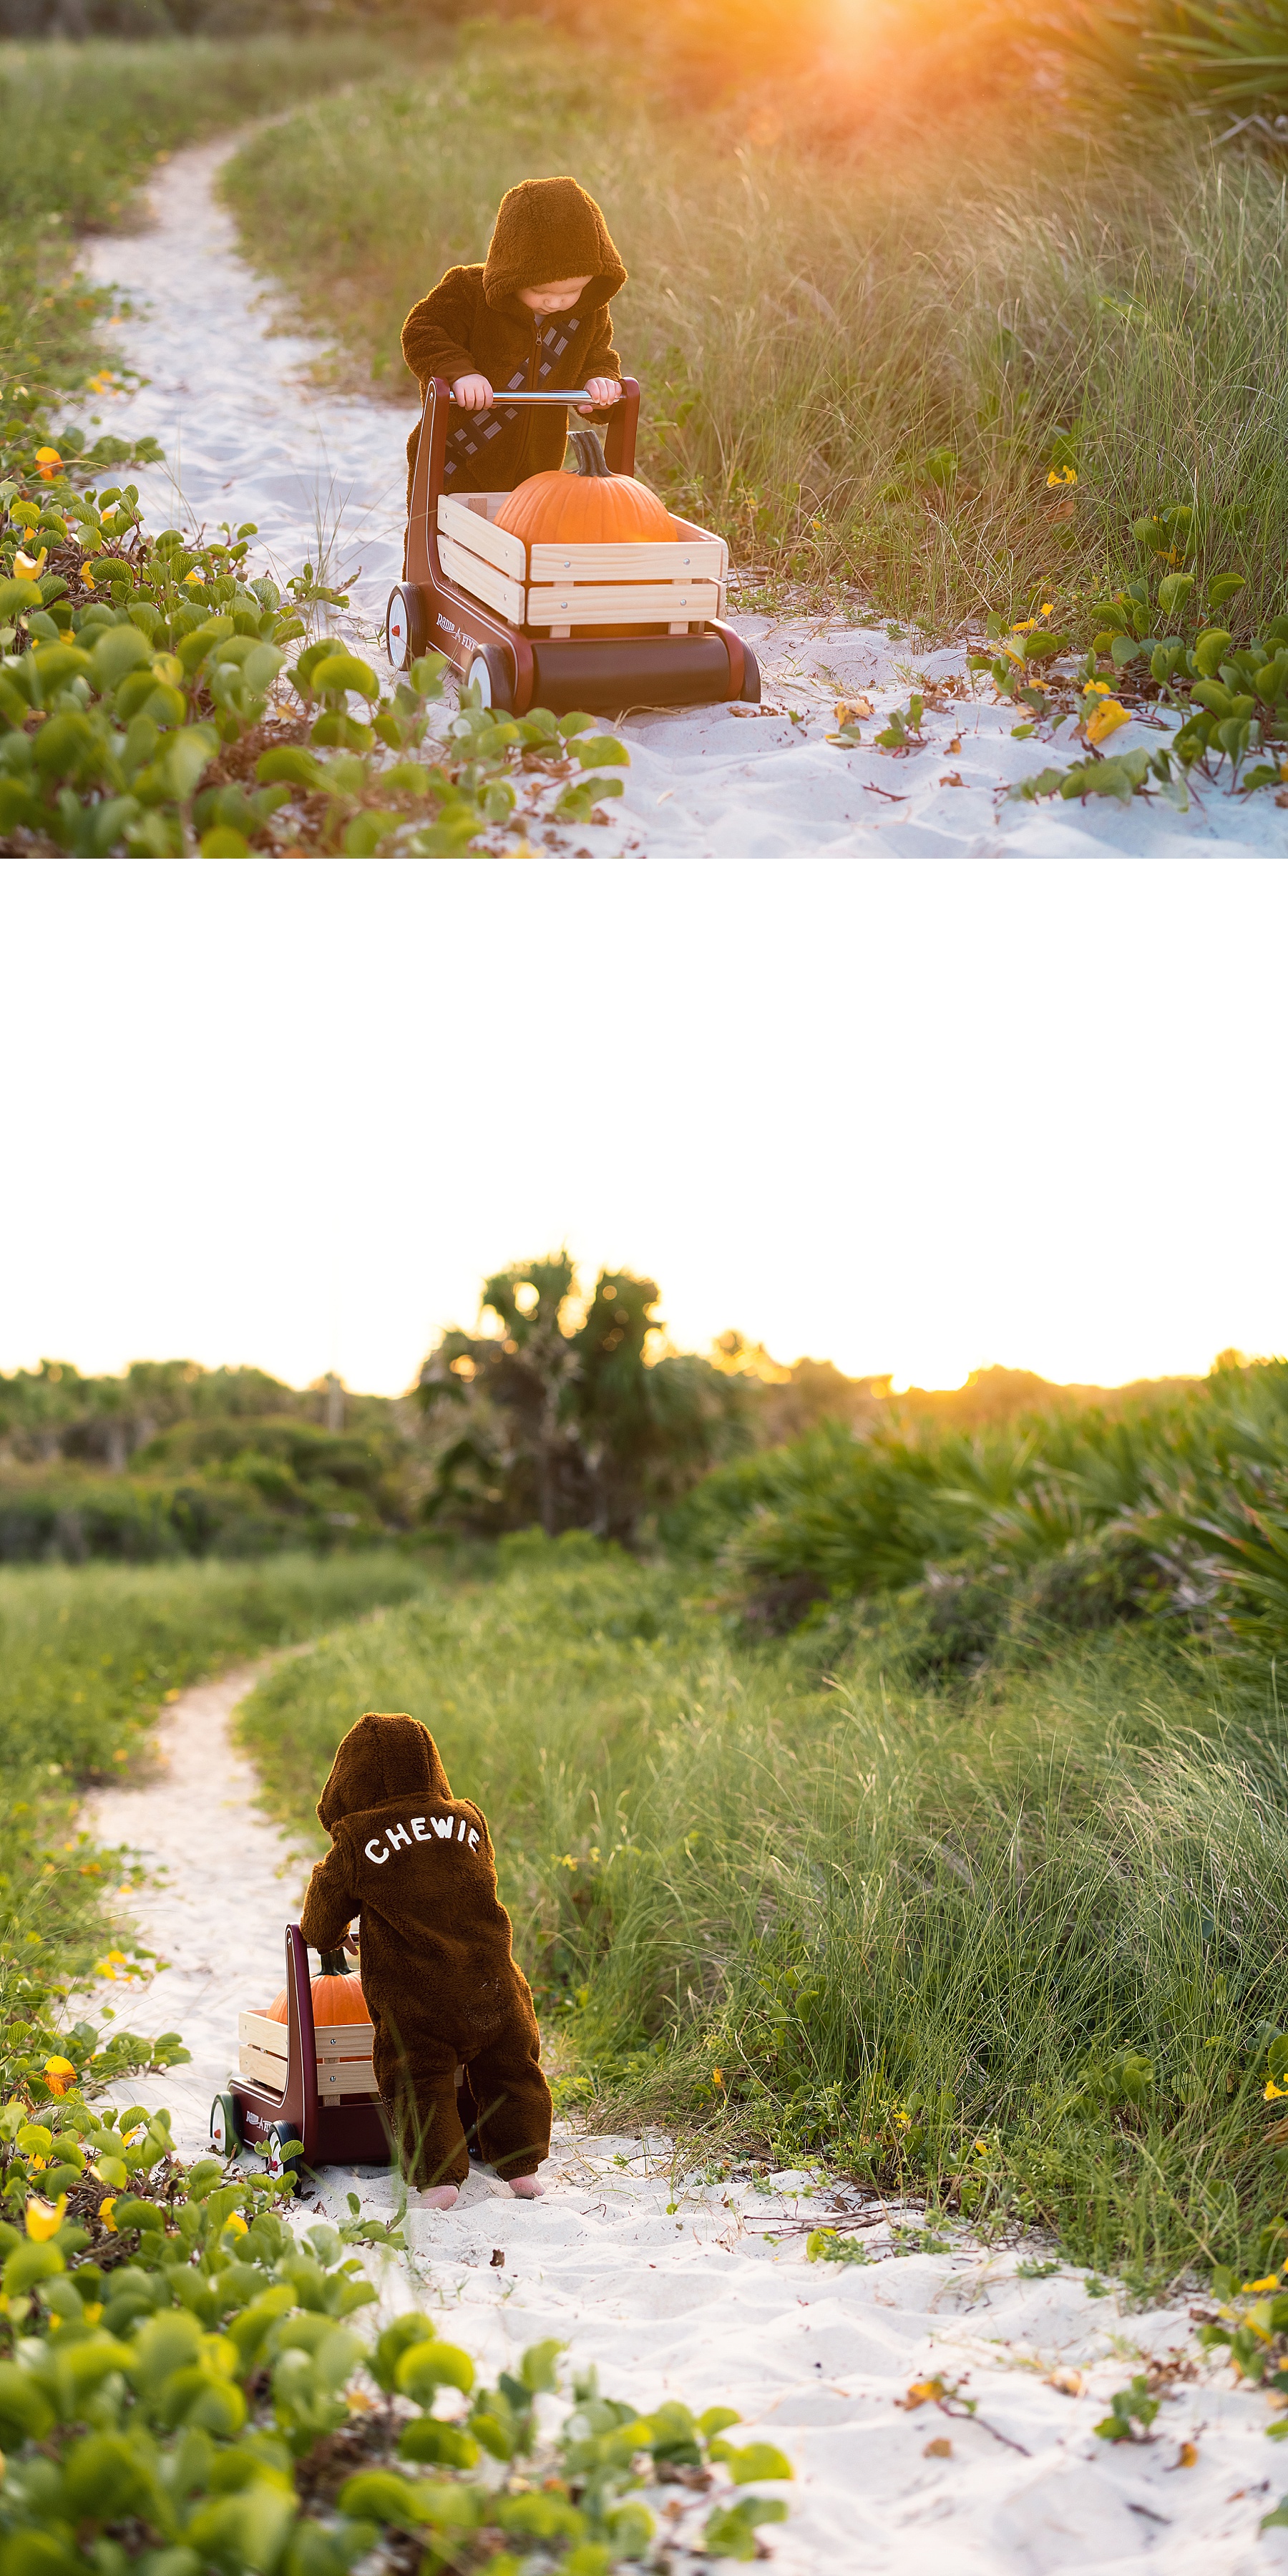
(966, 2412)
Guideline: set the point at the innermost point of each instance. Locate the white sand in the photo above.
(678, 2286)
(246, 438)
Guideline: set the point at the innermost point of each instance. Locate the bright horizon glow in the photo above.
(912, 1117)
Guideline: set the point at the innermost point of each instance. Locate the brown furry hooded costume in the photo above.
(474, 325)
(437, 1970)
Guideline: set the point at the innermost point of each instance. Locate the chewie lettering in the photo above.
(398, 1837)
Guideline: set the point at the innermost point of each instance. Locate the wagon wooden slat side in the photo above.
(293, 2081)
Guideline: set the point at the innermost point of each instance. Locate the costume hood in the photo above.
(382, 1757)
(549, 228)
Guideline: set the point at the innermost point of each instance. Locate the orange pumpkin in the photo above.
(337, 1994)
(593, 507)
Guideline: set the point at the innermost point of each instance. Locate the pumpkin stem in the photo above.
(590, 456)
(334, 1963)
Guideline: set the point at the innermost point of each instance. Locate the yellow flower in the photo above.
(236, 2225)
(42, 2221)
(1025, 626)
(1061, 474)
(1271, 2282)
(1275, 2092)
(27, 567)
(49, 462)
(87, 577)
(717, 2075)
(105, 2209)
(59, 2073)
(108, 1966)
(1105, 720)
(194, 575)
(1097, 688)
(1048, 606)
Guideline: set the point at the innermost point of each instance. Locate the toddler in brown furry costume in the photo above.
(437, 1968)
(532, 316)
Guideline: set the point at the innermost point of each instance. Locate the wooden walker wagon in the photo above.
(561, 625)
(295, 2080)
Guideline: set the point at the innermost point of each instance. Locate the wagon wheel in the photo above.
(281, 2135)
(489, 673)
(225, 2134)
(406, 636)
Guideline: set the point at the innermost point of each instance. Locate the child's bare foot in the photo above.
(441, 2197)
(527, 2187)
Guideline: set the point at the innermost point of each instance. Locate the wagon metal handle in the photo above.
(500, 396)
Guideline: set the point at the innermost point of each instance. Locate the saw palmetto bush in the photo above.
(1231, 58)
(1187, 1486)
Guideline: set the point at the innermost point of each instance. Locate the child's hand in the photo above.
(473, 393)
(604, 391)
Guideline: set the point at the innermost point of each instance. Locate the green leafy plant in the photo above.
(902, 729)
(827, 2245)
(1232, 697)
(1131, 2413)
(179, 2371)
(140, 706)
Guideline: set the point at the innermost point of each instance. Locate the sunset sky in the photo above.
(911, 1117)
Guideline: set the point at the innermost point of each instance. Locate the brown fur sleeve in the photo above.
(601, 359)
(436, 333)
(330, 1901)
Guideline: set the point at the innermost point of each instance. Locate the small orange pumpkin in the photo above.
(337, 1994)
(593, 507)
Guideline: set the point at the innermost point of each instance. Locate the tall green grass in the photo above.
(85, 126)
(1020, 1945)
(863, 360)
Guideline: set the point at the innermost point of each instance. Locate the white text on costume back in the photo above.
(444, 1829)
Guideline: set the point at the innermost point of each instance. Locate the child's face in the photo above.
(559, 297)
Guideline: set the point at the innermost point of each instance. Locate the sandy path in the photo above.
(675, 2285)
(245, 438)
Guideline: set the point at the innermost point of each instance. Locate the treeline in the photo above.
(565, 1409)
(174, 1460)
